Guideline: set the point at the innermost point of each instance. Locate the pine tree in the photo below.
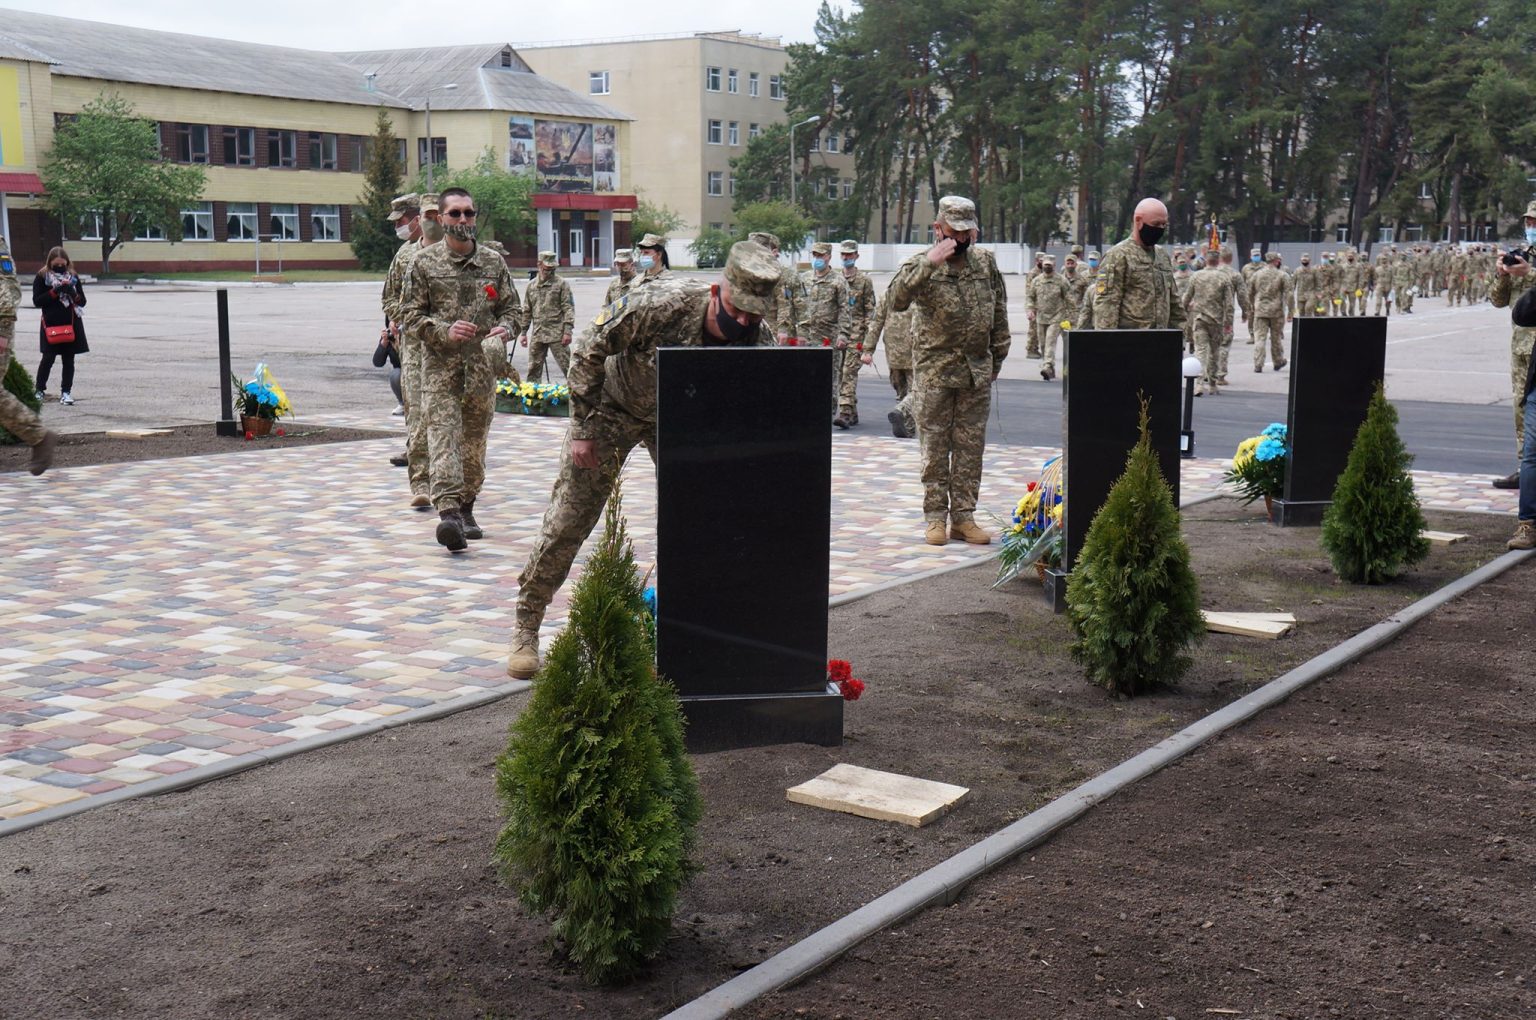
(600, 797)
(373, 236)
(1373, 529)
(19, 382)
(1133, 601)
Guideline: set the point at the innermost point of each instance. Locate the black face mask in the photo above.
(961, 246)
(1150, 235)
(59, 269)
(730, 329)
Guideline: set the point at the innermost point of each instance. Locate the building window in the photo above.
(731, 84)
(714, 226)
(847, 187)
(322, 151)
(191, 143)
(241, 221)
(734, 135)
(712, 135)
(832, 142)
(148, 233)
(732, 185)
(752, 84)
(753, 131)
(831, 187)
(1413, 232)
(197, 222)
(597, 83)
(1385, 235)
(90, 226)
(1341, 233)
(1424, 191)
(239, 146)
(284, 224)
(816, 142)
(776, 87)
(326, 222)
(362, 146)
(716, 182)
(712, 79)
(439, 151)
(283, 148)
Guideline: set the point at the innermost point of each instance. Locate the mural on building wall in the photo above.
(520, 145)
(11, 153)
(576, 157)
(605, 158)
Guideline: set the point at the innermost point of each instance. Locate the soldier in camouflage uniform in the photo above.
(788, 298)
(1273, 300)
(1405, 277)
(1181, 277)
(960, 331)
(17, 418)
(651, 258)
(613, 409)
(1135, 288)
(460, 301)
(827, 315)
(861, 308)
(1309, 295)
(1050, 305)
(624, 262)
(1084, 318)
(1381, 275)
(1032, 341)
(407, 212)
(551, 317)
(1208, 303)
(896, 327)
(1509, 283)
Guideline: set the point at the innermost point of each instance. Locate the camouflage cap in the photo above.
(1073, 256)
(405, 205)
(753, 275)
(1274, 257)
(652, 241)
(1077, 249)
(429, 201)
(548, 258)
(1530, 209)
(624, 255)
(765, 239)
(957, 212)
(1048, 260)
(849, 247)
(1255, 250)
(821, 248)
(1092, 255)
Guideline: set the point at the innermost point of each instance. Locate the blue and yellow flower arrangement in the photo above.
(550, 399)
(1258, 467)
(1034, 535)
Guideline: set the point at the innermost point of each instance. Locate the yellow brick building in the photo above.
(282, 135)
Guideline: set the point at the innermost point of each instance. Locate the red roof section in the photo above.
(24, 184)
(555, 200)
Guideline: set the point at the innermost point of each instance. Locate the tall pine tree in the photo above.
(373, 236)
(1373, 529)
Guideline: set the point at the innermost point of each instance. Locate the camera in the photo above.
(1526, 255)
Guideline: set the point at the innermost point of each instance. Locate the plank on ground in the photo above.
(1443, 537)
(885, 796)
(1260, 625)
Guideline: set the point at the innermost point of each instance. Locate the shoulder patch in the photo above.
(6, 264)
(1101, 288)
(613, 311)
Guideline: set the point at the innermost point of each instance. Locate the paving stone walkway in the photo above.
(168, 616)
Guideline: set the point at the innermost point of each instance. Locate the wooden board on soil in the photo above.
(885, 796)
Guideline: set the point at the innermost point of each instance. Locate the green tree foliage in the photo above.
(1132, 600)
(780, 219)
(1373, 529)
(373, 236)
(710, 248)
(650, 218)
(19, 382)
(601, 800)
(107, 161)
(504, 200)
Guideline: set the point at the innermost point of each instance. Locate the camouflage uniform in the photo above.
(861, 309)
(551, 314)
(1328, 286)
(1181, 278)
(1381, 274)
(1354, 284)
(1405, 276)
(624, 262)
(1050, 304)
(613, 403)
(960, 338)
(1135, 290)
(19, 419)
(826, 313)
(1273, 301)
(417, 459)
(1208, 304)
(1309, 291)
(459, 380)
(1032, 341)
(896, 327)
(1084, 318)
(1506, 291)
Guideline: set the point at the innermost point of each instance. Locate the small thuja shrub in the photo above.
(1132, 599)
(1373, 529)
(601, 801)
(19, 382)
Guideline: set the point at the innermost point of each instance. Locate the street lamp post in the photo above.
(803, 123)
(430, 160)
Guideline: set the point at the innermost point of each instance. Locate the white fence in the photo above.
(876, 258)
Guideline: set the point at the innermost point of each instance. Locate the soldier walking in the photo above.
(1135, 288)
(613, 410)
(1381, 274)
(551, 316)
(1050, 304)
(826, 311)
(960, 330)
(1208, 303)
(1309, 290)
(861, 307)
(408, 215)
(896, 328)
(1405, 277)
(1273, 300)
(460, 301)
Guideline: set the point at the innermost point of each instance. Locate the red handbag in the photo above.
(60, 334)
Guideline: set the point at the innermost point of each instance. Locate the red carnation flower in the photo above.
(790, 341)
(851, 688)
(281, 432)
(825, 342)
(249, 436)
(490, 292)
(839, 670)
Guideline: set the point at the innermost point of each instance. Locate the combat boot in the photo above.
(968, 531)
(421, 501)
(467, 516)
(898, 425)
(42, 453)
(841, 421)
(399, 460)
(450, 531)
(936, 534)
(523, 659)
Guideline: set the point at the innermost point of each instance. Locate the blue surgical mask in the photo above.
(1253, 258)
(1530, 235)
(850, 263)
(818, 264)
(647, 261)
(1093, 263)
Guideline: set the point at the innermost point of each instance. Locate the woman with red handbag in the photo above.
(57, 291)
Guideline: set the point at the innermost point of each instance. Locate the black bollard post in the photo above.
(226, 425)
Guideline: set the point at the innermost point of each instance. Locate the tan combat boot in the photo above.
(970, 532)
(42, 453)
(935, 534)
(523, 659)
(421, 501)
(1525, 536)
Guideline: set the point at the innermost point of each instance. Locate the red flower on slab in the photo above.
(490, 292)
(839, 670)
(850, 688)
(249, 436)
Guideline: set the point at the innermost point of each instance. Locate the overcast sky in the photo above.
(354, 25)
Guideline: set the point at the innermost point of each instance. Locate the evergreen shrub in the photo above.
(21, 385)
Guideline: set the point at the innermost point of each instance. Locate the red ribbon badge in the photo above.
(490, 292)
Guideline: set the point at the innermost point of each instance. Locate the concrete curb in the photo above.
(944, 882)
(208, 773)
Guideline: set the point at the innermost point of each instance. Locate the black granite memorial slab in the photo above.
(1335, 366)
(743, 532)
(1104, 374)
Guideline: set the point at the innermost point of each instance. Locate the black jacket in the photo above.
(56, 313)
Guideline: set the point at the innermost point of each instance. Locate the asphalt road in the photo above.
(153, 361)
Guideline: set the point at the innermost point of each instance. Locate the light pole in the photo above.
(430, 160)
(803, 123)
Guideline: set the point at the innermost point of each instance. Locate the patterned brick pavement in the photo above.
(170, 616)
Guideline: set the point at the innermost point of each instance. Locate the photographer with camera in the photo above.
(1513, 278)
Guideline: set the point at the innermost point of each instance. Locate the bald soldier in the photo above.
(19, 419)
(613, 409)
(1135, 288)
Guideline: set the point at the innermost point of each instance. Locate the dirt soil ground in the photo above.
(356, 880)
(77, 449)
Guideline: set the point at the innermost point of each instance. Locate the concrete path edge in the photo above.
(944, 882)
